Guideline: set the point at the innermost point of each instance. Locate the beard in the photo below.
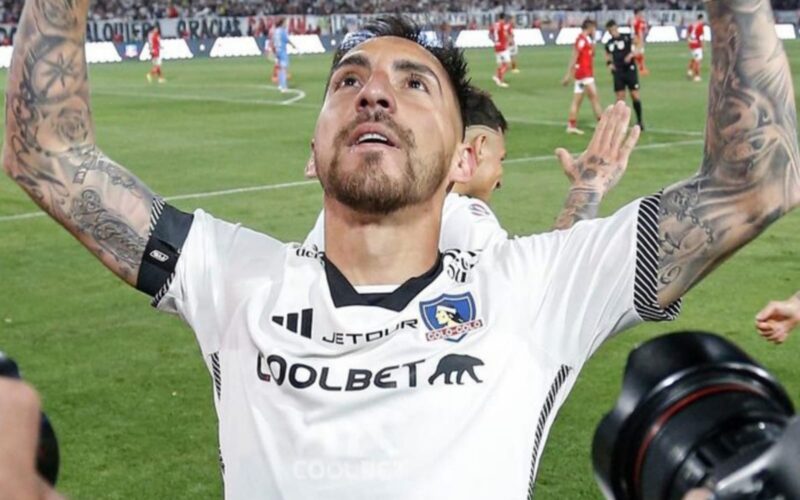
(368, 189)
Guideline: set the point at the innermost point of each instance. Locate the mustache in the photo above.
(405, 136)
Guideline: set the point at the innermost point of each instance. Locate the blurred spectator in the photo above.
(157, 9)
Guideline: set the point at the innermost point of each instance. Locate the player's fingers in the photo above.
(622, 118)
(630, 143)
(601, 137)
(765, 327)
(565, 159)
(768, 311)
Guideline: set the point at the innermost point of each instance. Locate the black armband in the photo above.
(168, 230)
(609, 63)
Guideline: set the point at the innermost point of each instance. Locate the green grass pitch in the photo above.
(125, 386)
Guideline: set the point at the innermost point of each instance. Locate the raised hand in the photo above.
(595, 172)
(778, 319)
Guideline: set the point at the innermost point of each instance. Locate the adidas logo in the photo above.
(297, 322)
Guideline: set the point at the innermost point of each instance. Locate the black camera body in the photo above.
(696, 411)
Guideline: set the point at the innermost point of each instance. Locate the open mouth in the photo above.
(372, 134)
(373, 138)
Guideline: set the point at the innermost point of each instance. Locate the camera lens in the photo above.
(689, 401)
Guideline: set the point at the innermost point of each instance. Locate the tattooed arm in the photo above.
(50, 149)
(594, 173)
(750, 173)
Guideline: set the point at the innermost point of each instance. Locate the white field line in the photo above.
(297, 95)
(190, 196)
(648, 130)
(285, 185)
(655, 145)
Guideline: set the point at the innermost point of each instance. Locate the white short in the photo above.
(697, 54)
(503, 57)
(513, 50)
(156, 61)
(583, 83)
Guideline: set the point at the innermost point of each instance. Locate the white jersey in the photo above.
(467, 224)
(445, 388)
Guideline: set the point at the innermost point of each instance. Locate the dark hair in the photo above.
(636, 10)
(451, 58)
(699, 16)
(502, 15)
(280, 21)
(479, 109)
(610, 24)
(588, 22)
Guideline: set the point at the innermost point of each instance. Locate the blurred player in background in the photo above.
(269, 52)
(498, 32)
(581, 70)
(513, 50)
(620, 61)
(281, 43)
(694, 36)
(778, 319)
(639, 28)
(154, 40)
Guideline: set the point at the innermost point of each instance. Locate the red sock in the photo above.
(158, 71)
(573, 123)
(640, 61)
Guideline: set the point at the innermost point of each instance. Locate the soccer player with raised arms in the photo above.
(384, 409)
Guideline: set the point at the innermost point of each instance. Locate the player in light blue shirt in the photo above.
(280, 42)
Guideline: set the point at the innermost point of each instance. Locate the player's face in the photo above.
(387, 135)
(490, 150)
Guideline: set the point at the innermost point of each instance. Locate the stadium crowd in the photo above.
(159, 9)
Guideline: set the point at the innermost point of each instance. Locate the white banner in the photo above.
(136, 31)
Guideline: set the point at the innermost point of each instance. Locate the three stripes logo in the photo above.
(297, 322)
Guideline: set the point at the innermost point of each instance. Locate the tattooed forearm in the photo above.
(111, 234)
(581, 204)
(49, 147)
(750, 173)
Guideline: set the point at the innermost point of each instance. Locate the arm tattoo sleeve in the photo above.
(750, 173)
(50, 149)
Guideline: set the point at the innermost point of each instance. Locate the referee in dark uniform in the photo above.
(620, 60)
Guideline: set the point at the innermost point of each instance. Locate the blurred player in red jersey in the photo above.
(581, 69)
(695, 38)
(498, 32)
(154, 40)
(639, 28)
(269, 51)
(512, 45)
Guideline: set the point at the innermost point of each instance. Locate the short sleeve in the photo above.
(468, 224)
(218, 265)
(593, 280)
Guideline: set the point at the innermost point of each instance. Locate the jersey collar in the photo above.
(343, 293)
